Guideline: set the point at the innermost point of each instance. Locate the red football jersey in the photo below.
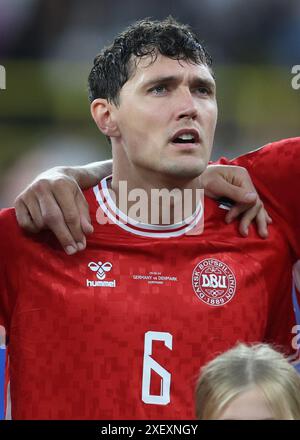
(275, 171)
(120, 330)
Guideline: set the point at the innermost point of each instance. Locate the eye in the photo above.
(204, 90)
(158, 90)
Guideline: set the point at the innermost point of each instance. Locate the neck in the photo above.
(154, 199)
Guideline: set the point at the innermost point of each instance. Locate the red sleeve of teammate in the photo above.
(275, 171)
(8, 262)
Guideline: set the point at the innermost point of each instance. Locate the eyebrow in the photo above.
(196, 81)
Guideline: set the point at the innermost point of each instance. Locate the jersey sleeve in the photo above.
(275, 171)
(8, 262)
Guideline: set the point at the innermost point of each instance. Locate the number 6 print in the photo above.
(150, 364)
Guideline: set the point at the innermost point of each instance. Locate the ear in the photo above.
(103, 114)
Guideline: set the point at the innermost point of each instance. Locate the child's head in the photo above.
(248, 382)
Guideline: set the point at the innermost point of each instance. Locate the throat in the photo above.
(155, 206)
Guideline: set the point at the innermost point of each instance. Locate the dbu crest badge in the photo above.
(214, 282)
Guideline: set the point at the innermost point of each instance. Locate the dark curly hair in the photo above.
(116, 64)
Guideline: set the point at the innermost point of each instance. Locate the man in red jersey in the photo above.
(121, 329)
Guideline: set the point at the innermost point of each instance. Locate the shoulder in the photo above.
(278, 161)
(10, 234)
(9, 227)
(283, 151)
(14, 240)
(8, 221)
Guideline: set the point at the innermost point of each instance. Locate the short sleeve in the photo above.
(8, 256)
(275, 171)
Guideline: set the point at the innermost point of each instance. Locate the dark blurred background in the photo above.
(47, 48)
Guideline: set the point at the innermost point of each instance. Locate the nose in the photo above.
(186, 105)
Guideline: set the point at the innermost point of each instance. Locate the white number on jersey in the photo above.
(150, 364)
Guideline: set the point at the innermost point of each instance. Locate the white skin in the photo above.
(160, 99)
(140, 130)
(248, 405)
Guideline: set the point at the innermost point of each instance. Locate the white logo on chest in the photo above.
(213, 282)
(101, 269)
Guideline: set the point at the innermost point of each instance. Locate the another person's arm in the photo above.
(54, 200)
(275, 172)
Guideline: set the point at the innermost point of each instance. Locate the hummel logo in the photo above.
(100, 268)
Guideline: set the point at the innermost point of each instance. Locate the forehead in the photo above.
(146, 69)
(249, 404)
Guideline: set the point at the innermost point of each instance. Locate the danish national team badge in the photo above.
(214, 282)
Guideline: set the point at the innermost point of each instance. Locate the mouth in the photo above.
(188, 138)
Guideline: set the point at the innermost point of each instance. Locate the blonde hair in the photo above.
(242, 367)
